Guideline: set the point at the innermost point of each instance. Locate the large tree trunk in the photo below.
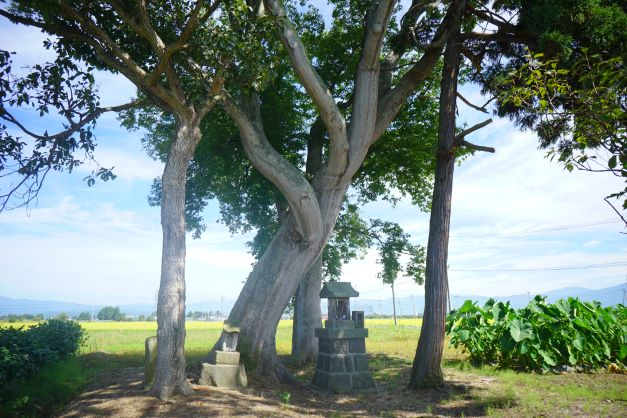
(271, 284)
(170, 376)
(426, 370)
(267, 291)
(307, 316)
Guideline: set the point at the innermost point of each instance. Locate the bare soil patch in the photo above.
(119, 393)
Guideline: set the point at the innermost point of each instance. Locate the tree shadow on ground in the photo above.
(119, 392)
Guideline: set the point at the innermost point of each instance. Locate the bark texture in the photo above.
(307, 315)
(170, 376)
(426, 370)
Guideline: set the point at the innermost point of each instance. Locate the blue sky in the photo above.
(102, 244)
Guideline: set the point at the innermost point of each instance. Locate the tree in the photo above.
(62, 316)
(161, 47)
(84, 316)
(110, 313)
(248, 201)
(565, 79)
(498, 59)
(315, 205)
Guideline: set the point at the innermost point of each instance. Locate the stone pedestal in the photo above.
(342, 365)
(223, 370)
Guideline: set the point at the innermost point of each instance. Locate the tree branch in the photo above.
(392, 100)
(105, 50)
(96, 31)
(193, 22)
(617, 212)
(4, 114)
(490, 18)
(364, 114)
(316, 88)
(470, 145)
(288, 179)
(472, 129)
(463, 99)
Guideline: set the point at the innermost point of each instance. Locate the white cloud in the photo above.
(128, 165)
(106, 255)
(499, 197)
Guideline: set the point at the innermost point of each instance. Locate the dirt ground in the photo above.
(119, 393)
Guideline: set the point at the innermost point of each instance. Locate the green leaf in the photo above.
(612, 162)
(547, 357)
(507, 343)
(578, 342)
(520, 330)
(468, 306)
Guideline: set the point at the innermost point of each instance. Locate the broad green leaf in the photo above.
(464, 335)
(468, 306)
(547, 357)
(520, 330)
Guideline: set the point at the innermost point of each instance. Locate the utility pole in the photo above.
(448, 289)
(413, 304)
(393, 304)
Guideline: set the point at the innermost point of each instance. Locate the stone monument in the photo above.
(342, 365)
(223, 368)
(150, 362)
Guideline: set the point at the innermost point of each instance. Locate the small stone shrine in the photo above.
(342, 365)
(223, 368)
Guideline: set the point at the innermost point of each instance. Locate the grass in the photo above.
(48, 389)
(391, 349)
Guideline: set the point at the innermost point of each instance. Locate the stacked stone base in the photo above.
(223, 370)
(342, 365)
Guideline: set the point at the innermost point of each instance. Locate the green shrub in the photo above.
(540, 336)
(23, 351)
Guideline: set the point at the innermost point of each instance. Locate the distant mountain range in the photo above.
(404, 305)
(51, 308)
(608, 296)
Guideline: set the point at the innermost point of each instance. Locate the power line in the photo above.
(557, 268)
(548, 229)
(588, 266)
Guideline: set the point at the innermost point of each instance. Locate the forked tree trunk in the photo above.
(170, 376)
(427, 370)
(272, 283)
(307, 316)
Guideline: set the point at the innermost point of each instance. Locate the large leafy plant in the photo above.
(540, 336)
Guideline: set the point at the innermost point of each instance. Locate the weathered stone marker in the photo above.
(150, 362)
(342, 365)
(223, 369)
